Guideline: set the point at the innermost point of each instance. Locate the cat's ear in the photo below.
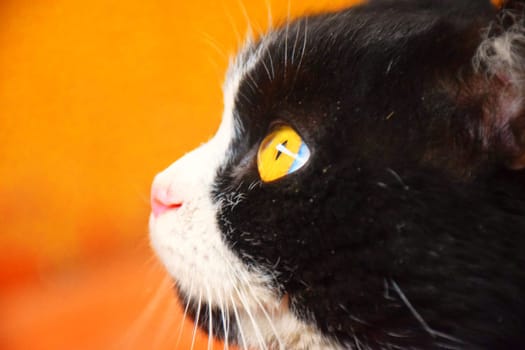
(499, 64)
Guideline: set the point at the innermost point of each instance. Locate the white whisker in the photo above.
(295, 43)
(238, 35)
(249, 28)
(228, 321)
(305, 39)
(266, 69)
(239, 325)
(223, 307)
(242, 298)
(194, 336)
(265, 313)
(420, 319)
(227, 328)
(245, 304)
(271, 61)
(258, 334)
(210, 318)
(181, 327)
(164, 329)
(286, 38)
(253, 83)
(213, 43)
(145, 316)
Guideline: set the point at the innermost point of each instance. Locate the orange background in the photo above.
(95, 98)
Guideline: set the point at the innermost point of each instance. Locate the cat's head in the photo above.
(364, 186)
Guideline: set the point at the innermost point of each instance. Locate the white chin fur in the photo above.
(189, 243)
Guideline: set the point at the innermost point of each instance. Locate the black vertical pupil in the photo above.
(279, 152)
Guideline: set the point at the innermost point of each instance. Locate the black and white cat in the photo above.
(365, 189)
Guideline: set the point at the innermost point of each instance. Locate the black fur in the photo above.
(404, 230)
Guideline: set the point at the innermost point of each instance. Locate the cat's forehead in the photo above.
(363, 55)
(370, 78)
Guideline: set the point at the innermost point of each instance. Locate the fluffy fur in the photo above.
(405, 228)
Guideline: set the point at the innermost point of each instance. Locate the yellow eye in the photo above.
(282, 152)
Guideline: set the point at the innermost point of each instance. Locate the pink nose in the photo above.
(162, 200)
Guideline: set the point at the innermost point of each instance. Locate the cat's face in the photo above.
(347, 200)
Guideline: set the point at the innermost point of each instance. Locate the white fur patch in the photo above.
(503, 55)
(189, 243)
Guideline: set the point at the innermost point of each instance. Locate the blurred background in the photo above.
(95, 98)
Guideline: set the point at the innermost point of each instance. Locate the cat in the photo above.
(366, 186)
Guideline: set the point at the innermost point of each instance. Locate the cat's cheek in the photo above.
(189, 246)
